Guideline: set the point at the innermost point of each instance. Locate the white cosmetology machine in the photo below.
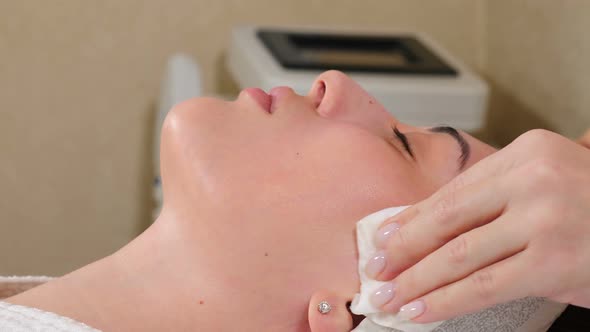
(410, 74)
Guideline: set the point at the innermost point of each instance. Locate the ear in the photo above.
(338, 319)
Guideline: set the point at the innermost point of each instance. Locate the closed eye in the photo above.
(404, 140)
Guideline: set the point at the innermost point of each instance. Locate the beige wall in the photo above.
(537, 60)
(78, 83)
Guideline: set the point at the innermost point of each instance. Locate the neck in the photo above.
(158, 282)
(165, 279)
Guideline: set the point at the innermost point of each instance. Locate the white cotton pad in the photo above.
(361, 304)
(528, 314)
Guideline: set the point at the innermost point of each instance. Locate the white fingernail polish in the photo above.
(412, 310)
(384, 233)
(376, 264)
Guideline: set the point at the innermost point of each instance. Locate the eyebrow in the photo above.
(463, 145)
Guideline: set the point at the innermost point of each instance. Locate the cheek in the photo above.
(280, 189)
(356, 173)
(192, 140)
(339, 182)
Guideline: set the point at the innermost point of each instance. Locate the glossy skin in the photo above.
(289, 185)
(260, 209)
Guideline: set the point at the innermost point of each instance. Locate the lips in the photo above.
(269, 101)
(262, 98)
(277, 93)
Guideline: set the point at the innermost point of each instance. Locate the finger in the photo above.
(392, 225)
(337, 319)
(439, 221)
(465, 254)
(501, 282)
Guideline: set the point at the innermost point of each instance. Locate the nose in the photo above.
(340, 98)
(318, 91)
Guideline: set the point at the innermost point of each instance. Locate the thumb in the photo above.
(334, 317)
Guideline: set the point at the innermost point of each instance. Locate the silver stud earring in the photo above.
(324, 307)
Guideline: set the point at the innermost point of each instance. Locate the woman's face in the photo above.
(281, 180)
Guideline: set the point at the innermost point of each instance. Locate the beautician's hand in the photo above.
(516, 224)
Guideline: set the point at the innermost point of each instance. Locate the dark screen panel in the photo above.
(378, 54)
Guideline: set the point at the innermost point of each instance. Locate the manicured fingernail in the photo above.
(376, 264)
(384, 233)
(412, 310)
(383, 295)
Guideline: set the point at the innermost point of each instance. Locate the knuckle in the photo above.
(458, 249)
(542, 175)
(484, 285)
(547, 169)
(400, 241)
(444, 208)
(453, 186)
(540, 142)
(535, 136)
(446, 200)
